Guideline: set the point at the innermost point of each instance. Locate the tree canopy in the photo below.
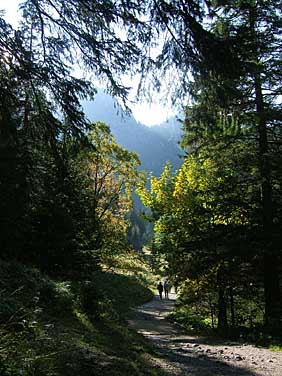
(227, 56)
(64, 188)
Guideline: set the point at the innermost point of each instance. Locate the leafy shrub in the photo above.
(8, 369)
(57, 298)
(190, 320)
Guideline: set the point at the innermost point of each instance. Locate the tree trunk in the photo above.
(232, 309)
(272, 292)
(270, 259)
(211, 311)
(222, 322)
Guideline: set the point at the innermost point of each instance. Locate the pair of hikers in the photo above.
(163, 287)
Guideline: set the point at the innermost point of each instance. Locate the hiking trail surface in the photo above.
(180, 354)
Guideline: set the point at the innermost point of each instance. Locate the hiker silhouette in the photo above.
(166, 288)
(160, 289)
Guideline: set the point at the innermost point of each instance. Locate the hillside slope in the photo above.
(71, 328)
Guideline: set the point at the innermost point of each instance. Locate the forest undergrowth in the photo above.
(195, 320)
(58, 327)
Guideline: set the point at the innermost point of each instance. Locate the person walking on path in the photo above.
(166, 288)
(160, 289)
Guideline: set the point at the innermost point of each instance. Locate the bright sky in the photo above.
(151, 114)
(146, 113)
(10, 7)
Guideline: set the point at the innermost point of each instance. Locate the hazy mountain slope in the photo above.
(170, 129)
(155, 147)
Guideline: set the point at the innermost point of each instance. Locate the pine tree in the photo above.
(227, 55)
(40, 114)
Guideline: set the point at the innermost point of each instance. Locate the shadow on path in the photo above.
(180, 354)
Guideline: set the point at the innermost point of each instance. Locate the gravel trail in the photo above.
(180, 354)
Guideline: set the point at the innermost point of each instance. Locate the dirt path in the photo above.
(180, 354)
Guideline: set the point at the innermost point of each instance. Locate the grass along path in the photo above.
(54, 327)
(181, 354)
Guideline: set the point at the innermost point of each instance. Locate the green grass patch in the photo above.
(111, 295)
(275, 347)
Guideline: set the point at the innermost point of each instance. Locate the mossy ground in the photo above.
(68, 328)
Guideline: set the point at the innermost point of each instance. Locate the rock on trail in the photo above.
(180, 354)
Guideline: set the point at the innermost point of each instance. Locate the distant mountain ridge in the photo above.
(170, 129)
(155, 145)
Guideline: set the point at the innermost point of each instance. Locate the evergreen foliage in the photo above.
(46, 216)
(66, 185)
(231, 214)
